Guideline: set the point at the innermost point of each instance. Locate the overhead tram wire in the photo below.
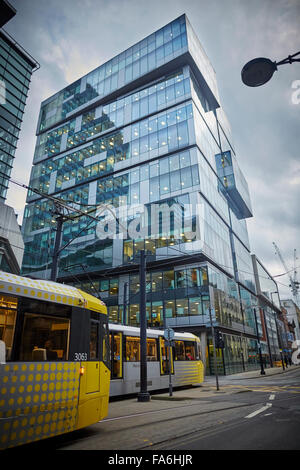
(61, 202)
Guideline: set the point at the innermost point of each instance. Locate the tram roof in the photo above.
(151, 333)
(49, 291)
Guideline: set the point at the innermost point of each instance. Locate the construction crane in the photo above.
(294, 284)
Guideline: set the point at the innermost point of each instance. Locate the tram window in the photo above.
(94, 341)
(116, 350)
(106, 351)
(190, 353)
(164, 355)
(132, 349)
(44, 337)
(151, 349)
(8, 309)
(179, 351)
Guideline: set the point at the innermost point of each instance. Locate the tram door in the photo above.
(164, 357)
(116, 355)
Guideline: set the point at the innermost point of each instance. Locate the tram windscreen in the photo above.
(8, 310)
(44, 338)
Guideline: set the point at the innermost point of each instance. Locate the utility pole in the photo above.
(262, 370)
(125, 303)
(143, 395)
(214, 347)
(59, 224)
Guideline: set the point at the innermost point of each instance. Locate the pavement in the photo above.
(228, 385)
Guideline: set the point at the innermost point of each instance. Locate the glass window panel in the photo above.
(195, 175)
(156, 314)
(128, 251)
(164, 184)
(190, 351)
(144, 144)
(186, 177)
(163, 166)
(195, 306)
(154, 188)
(179, 351)
(182, 307)
(154, 168)
(180, 279)
(185, 159)
(175, 180)
(144, 172)
(151, 349)
(159, 38)
(183, 136)
(152, 103)
(153, 141)
(132, 345)
(162, 137)
(47, 333)
(168, 279)
(144, 106)
(161, 98)
(168, 49)
(159, 53)
(151, 60)
(144, 62)
(170, 308)
(172, 137)
(174, 162)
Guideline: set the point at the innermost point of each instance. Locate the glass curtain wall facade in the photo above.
(146, 128)
(16, 68)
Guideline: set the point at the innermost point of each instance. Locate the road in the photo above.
(261, 413)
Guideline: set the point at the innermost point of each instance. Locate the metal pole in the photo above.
(53, 275)
(214, 347)
(125, 304)
(143, 396)
(262, 371)
(170, 370)
(279, 341)
(268, 339)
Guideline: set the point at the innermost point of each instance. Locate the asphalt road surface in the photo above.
(246, 414)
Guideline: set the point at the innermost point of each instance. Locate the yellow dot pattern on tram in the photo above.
(37, 400)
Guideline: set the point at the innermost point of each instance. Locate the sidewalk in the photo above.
(208, 388)
(255, 374)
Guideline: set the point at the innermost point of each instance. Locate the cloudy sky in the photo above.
(69, 38)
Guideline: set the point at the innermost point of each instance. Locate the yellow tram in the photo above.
(54, 359)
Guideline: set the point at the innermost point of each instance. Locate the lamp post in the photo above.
(259, 71)
(277, 331)
(143, 395)
(262, 370)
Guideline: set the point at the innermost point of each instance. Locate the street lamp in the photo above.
(262, 370)
(277, 330)
(259, 71)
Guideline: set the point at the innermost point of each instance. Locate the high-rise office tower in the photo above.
(142, 130)
(16, 68)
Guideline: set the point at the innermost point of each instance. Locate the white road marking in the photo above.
(271, 397)
(261, 410)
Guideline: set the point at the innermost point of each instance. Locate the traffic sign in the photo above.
(169, 334)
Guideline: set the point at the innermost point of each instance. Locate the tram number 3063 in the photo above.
(80, 356)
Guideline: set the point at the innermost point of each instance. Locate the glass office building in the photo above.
(16, 68)
(147, 129)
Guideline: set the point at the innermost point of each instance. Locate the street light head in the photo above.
(258, 71)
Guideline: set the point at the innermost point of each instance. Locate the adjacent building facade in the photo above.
(16, 67)
(293, 315)
(142, 130)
